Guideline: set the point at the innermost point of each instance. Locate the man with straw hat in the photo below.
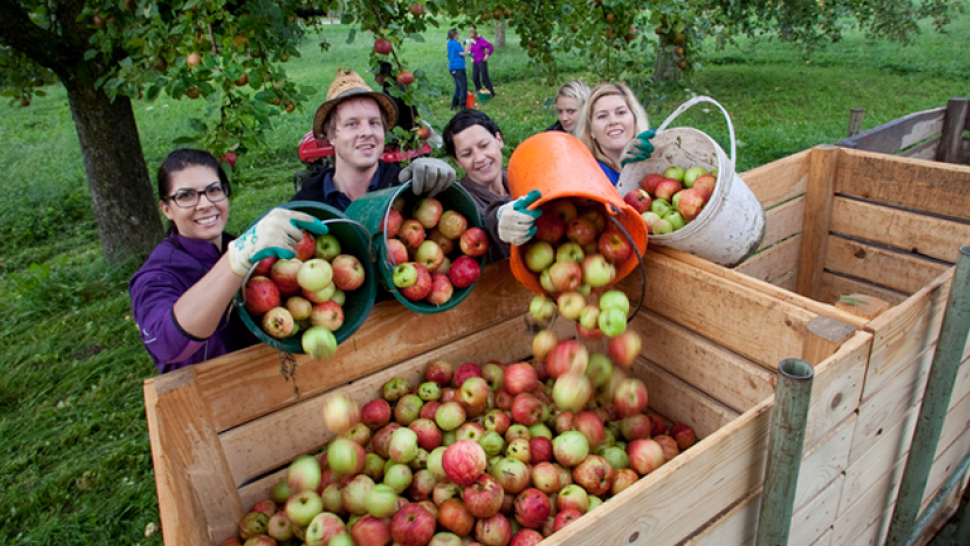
(354, 119)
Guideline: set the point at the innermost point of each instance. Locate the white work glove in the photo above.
(276, 234)
(428, 176)
(516, 221)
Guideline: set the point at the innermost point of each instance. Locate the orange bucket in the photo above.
(470, 100)
(559, 165)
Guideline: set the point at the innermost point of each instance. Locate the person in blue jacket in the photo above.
(456, 65)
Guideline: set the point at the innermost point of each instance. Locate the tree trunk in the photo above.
(500, 34)
(124, 204)
(665, 67)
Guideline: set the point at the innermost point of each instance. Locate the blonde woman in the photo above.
(610, 120)
(569, 105)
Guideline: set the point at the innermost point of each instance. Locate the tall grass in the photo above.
(75, 463)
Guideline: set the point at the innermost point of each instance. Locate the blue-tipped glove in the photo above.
(516, 221)
(428, 176)
(275, 234)
(640, 149)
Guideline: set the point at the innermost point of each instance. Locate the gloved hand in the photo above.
(275, 234)
(428, 176)
(516, 221)
(640, 149)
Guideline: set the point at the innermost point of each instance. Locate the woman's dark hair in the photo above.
(180, 160)
(452, 33)
(463, 120)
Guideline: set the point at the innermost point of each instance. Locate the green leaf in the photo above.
(184, 140)
(264, 96)
(308, 90)
(416, 37)
(346, 18)
(351, 35)
(90, 54)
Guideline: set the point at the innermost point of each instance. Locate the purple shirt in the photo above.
(174, 266)
(478, 49)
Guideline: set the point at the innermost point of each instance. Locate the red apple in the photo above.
(540, 449)
(526, 409)
(283, 273)
(580, 230)
(348, 273)
(263, 266)
(441, 289)
(371, 531)
(278, 323)
(493, 531)
(630, 397)
(639, 199)
(691, 203)
(430, 255)
(483, 498)
(668, 445)
(261, 295)
(464, 461)
(526, 537)
(590, 426)
(646, 455)
(454, 516)
(565, 275)
(667, 188)
(594, 474)
(452, 224)
(306, 246)
(412, 525)
(464, 272)
(564, 518)
(635, 427)
(706, 183)
(473, 242)
(520, 377)
(567, 356)
(393, 220)
(624, 348)
(532, 508)
(549, 228)
(684, 435)
(382, 46)
(421, 287)
(614, 246)
(466, 371)
(412, 233)
(376, 413)
(327, 314)
(428, 212)
(650, 182)
(564, 209)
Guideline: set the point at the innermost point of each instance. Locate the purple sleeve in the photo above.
(488, 46)
(153, 297)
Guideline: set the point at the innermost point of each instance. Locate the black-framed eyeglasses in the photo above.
(187, 198)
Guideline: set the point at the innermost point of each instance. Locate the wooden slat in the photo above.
(783, 221)
(824, 464)
(704, 414)
(737, 526)
(773, 262)
(787, 281)
(835, 286)
(954, 123)
(908, 231)
(810, 522)
(780, 180)
(728, 378)
(927, 150)
(738, 317)
(867, 469)
(818, 217)
(837, 388)
(198, 503)
(895, 270)
(938, 188)
(391, 333)
(659, 511)
(899, 133)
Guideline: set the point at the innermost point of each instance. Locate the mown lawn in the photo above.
(75, 462)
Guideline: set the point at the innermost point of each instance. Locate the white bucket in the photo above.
(732, 224)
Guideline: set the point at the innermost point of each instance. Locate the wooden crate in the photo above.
(843, 222)
(222, 432)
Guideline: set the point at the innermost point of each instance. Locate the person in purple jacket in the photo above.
(181, 297)
(481, 50)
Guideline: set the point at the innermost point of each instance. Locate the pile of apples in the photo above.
(304, 296)
(498, 454)
(669, 201)
(575, 247)
(434, 250)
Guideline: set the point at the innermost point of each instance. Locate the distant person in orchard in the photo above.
(181, 297)
(475, 142)
(570, 100)
(611, 119)
(354, 120)
(456, 66)
(481, 50)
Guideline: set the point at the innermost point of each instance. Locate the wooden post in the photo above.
(817, 218)
(954, 123)
(855, 121)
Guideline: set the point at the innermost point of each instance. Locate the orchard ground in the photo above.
(75, 461)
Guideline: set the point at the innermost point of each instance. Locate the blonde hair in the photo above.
(583, 126)
(574, 90)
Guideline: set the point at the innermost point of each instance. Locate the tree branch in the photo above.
(45, 47)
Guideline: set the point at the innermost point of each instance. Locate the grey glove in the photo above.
(516, 223)
(428, 176)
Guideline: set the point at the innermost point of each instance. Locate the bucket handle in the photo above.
(643, 271)
(697, 100)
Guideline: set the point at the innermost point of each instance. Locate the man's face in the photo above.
(479, 153)
(358, 135)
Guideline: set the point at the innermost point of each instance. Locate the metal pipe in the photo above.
(790, 415)
(936, 400)
(955, 480)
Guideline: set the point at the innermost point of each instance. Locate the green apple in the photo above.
(615, 298)
(676, 220)
(404, 275)
(319, 342)
(661, 207)
(675, 172)
(612, 321)
(690, 175)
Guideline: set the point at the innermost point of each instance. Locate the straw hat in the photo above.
(349, 84)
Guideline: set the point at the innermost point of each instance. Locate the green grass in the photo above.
(75, 462)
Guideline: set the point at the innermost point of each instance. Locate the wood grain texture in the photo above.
(898, 271)
(780, 180)
(822, 174)
(812, 521)
(837, 387)
(783, 222)
(899, 133)
(921, 234)
(824, 464)
(937, 188)
(835, 286)
(926, 150)
(774, 262)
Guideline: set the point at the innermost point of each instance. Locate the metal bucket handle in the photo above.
(697, 100)
(643, 272)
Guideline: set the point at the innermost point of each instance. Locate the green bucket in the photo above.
(483, 97)
(371, 210)
(354, 239)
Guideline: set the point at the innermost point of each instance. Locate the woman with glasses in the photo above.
(181, 297)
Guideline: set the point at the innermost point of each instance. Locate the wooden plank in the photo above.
(780, 180)
(898, 271)
(823, 465)
(875, 464)
(661, 510)
(738, 317)
(899, 133)
(926, 150)
(725, 376)
(818, 217)
(869, 516)
(905, 331)
(198, 503)
(938, 188)
(783, 222)
(811, 521)
(787, 281)
(835, 286)
(773, 262)
(738, 526)
(922, 234)
(837, 387)
(825, 336)
(274, 440)
(825, 539)
(391, 333)
(954, 123)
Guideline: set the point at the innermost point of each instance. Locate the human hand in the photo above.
(275, 234)
(428, 176)
(516, 223)
(640, 148)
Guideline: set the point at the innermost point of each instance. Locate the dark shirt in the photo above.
(556, 127)
(320, 187)
(488, 204)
